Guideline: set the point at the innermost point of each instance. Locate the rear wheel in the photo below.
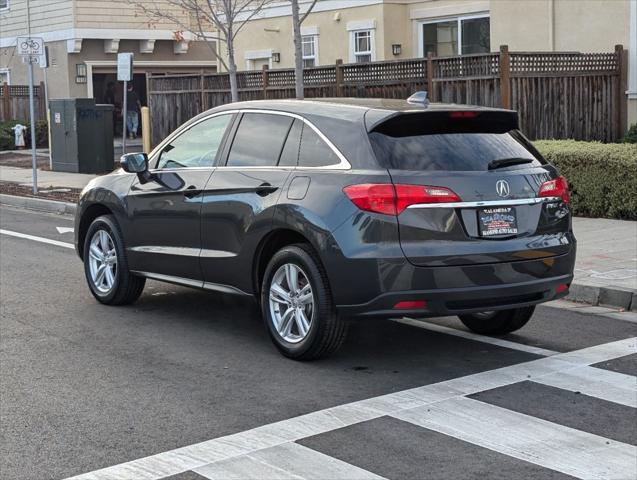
(499, 322)
(106, 265)
(297, 305)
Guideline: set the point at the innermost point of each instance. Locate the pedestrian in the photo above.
(18, 132)
(133, 108)
(110, 97)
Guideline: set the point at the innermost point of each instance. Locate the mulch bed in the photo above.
(23, 161)
(52, 193)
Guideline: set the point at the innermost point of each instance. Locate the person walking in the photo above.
(133, 107)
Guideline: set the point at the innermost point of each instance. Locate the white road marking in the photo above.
(596, 382)
(37, 239)
(576, 453)
(65, 229)
(287, 461)
(248, 442)
(474, 336)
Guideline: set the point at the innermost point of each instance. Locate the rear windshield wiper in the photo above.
(507, 162)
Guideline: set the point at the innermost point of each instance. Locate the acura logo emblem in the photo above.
(502, 188)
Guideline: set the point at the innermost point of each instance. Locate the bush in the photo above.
(602, 177)
(7, 138)
(631, 134)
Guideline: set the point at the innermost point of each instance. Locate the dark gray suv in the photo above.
(330, 210)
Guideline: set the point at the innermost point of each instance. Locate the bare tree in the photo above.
(297, 20)
(212, 21)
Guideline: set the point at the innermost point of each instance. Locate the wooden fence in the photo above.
(558, 95)
(14, 102)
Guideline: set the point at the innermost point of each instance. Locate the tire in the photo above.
(499, 322)
(125, 287)
(326, 331)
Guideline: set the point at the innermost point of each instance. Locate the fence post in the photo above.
(266, 81)
(620, 119)
(7, 102)
(203, 94)
(339, 77)
(430, 76)
(505, 72)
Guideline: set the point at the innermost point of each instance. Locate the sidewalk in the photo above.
(605, 271)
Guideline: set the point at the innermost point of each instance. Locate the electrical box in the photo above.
(81, 136)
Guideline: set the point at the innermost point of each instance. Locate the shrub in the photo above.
(602, 177)
(7, 138)
(631, 134)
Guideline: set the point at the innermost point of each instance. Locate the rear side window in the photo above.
(314, 152)
(259, 140)
(448, 144)
(290, 153)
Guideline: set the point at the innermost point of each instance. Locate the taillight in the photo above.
(394, 199)
(411, 305)
(558, 187)
(463, 114)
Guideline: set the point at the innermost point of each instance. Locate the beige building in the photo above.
(363, 30)
(84, 37)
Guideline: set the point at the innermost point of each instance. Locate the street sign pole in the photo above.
(34, 161)
(124, 110)
(124, 74)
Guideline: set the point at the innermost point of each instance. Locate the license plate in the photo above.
(497, 221)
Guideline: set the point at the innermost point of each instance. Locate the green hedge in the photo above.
(7, 138)
(602, 176)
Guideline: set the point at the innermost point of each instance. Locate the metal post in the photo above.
(48, 114)
(34, 161)
(146, 129)
(124, 118)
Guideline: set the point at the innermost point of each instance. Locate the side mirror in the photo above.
(134, 162)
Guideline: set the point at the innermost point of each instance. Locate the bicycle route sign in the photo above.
(30, 46)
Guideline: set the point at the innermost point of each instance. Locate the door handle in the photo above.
(191, 191)
(265, 189)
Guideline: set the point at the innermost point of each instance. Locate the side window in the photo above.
(290, 153)
(314, 152)
(259, 140)
(197, 146)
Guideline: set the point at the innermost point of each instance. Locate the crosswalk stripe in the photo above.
(596, 382)
(287, 461)
(570, 451)
(247, 442)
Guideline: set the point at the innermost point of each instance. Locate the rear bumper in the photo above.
(458, 290)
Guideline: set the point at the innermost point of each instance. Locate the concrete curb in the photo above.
(40, 204)
(594, 295)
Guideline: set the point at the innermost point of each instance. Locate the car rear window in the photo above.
(436, 141)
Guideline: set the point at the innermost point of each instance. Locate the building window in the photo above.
(308, 46)
(4, 5)
(363, 41)
(456, 36)
(5, 78)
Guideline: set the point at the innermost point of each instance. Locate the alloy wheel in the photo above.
(291, 303)
(102, 261)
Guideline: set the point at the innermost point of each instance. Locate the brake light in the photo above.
(394, 199)
(558, 187)
(463, 114)
(410, 305)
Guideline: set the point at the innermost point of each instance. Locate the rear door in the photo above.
(241, 197)
(486, 177)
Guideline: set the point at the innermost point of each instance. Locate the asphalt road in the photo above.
(85, 387)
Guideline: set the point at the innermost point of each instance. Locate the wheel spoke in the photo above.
(279, 294)
(110, 279)
(306, 299)
(104, 241)
(292, 277)
(99, 275)
(286, 322)
(301, 322)
(96, 253)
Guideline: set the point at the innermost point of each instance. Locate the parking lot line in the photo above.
(268, 436)
(544, 443)
(474, 336)
(36, 239)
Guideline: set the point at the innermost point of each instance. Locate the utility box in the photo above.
(81, 136)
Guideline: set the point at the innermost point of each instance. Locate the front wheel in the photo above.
(497, 323)
(106, 265)
(297, 305)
